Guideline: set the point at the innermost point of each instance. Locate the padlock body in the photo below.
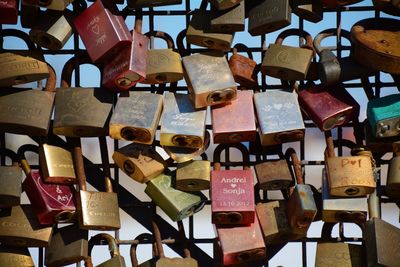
(15, 257)
(279, 117)
(176, 262)
(339, 254)
(29, 14)
(273, 175)
(177, 204)
(135, 118)
(329, 68)
(269, 16)
(312, 12)
(48, 200)
(244, 71)
(224, 4)
(10, 186)
(242, 128)
(350, 176)
(102, 32)
(140, 162)
(163, 66)
(230, 20)
(56, 165)
(377, 145)
(117, 261)
(9, 12)
(393, 178)
(327, 109)
(59, 5)
(82, 112)
(273, 221)
(232, 194)
(128, 67)
(383, 115)
(151, 3)
(20, 227)
(193, 175)
(181, 124)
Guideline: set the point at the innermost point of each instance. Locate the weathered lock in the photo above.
(9, 12)
(96, 210)
(391, 7)
(308, 10)
(140, 162)
(136, 117)
(193, 175)
(128, 67)
(134, 4)
(230, 20)
(350, 176)
(393, 174)
(52, 30)
(301, 207)
(103, 33)
(52, 203)
(383, 115)
(210, 81)
(240, 244)
(15, 257)
(328, 107)
(244, 70)
(163, 65)
(269, 16)
(242, 128)
(377, 145)
(80, 112)
(29, 14)
(10, 181)
(116, 258)
(279, 117)
(224, 4)
(68, 245)
(59, 5)
(175, 203)
(20, 227)
(56, 165)
(181, 124)
(273, 175)
(287, 62)
(232, 191)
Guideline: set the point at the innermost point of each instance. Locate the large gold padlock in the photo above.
(15, 257)
(230, 20)
(10, 181)
(193, 175)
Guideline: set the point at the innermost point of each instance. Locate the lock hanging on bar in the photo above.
(116, 258)
(244, 70)
(273, 175)
(230, 20)
(193, 175)
(10, 181)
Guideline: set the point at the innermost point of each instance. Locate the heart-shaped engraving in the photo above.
(95, 29)
(233, 185)
(55, 192)
(353, 162)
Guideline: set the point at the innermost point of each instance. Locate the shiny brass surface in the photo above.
(193, 175)
(57, 165)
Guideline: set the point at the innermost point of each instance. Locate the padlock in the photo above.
(52, 203)
(273, 175)
(20, 227)
(396, 3)
(209, 79)
(177, 204)
(269, 16)
(224, 4)
(232, 191)
(56, 165)
(390, 7)
(128, 67)
(52, 30)
(375, 45)
(328, 107)
(15, 257)
(244, 70)
(308, 10)
(163, 65)
(377, 145)
(59, 5)
(29, 14)
(383, 115)
(181, 124)
(68, 245)
(96, 210)
(287, 62)
(193, 175)
(136, 117)
(10, 181)
(279, 117)
(230, 20)
(301, 207)
(393, 175)
(140, 162)
(350, 176)
(9, 12)
(240, 244)
(338, 3)
(81, 112)
(116, 258)
(103, 33)
(242, 128)
(134, 4)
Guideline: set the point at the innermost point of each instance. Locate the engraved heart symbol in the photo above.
(95, 29)
(60, 199)
(233, 185)
(353, 162)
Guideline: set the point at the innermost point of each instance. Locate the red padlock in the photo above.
(8, 12)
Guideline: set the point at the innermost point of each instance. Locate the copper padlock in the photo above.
(242, 128)
(15, 257)
(393, 174)
(10, 181)
(9, 12)
(230, 20)
(244, 70)
(273, 175)
(116, 258)
(193, 175)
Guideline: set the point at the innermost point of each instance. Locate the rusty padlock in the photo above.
(10, 181)
(244, 69)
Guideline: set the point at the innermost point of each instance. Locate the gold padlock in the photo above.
(193, 175)
(230, 20)
(10, 181)
(15, 257)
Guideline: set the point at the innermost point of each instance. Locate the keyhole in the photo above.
(129, 167)
(128, 133)
(216, 97)
(181, 141)
(352, 191)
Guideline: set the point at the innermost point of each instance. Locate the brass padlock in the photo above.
(56, 165)
(10, 181)
(177, 204)
(140, 162)
(287, 62)
(68, 245)
(244, 70)
(393, 175)
(134, 4)
(59, 5)
(80, 112)
(116, 258)
(269, 16)
(20, 227)
(279, 117)
(210, 81)
(181, 124)
(15, 257)
(136, 117)
(193, 175)
(230, 20)
(242, 128)
(224, 4)
(163, 65)
(273, 175)
(308, 10)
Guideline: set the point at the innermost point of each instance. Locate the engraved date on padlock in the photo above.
(135, 134)
(187, 141)
(220, 96)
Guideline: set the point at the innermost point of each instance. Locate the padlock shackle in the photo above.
(157, 237)
(296, 165)
(242, 48)
(132, 251)
(162, 35)
(10, 154)
(138, 21)
(21, 156)
(330, 148)
(297, 32)
(374, 210)
(327, 33)
(79, 166)
(103, 237)
(183, 240)
(221, 147)
(51, 80)
(69, 67)
(106, 164)
(179, 43)
(19, 34)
